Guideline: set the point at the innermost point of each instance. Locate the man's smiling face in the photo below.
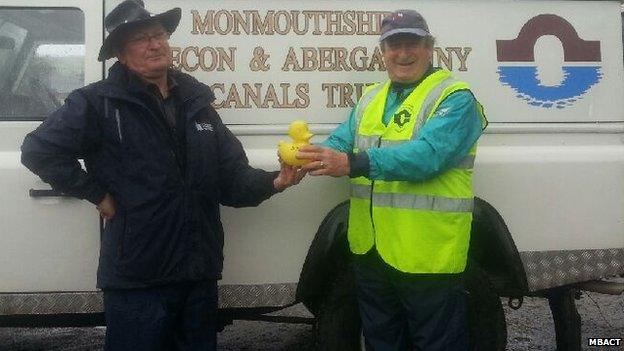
(407, 57)
(146, 51)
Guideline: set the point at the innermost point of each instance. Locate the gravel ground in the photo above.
(529, 328)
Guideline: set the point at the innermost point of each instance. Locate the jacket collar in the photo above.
(123, 84)
(410, 86)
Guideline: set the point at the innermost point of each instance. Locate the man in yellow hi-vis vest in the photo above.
(409, 147)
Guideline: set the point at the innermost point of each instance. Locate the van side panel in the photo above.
(551, 162)
(562, 197)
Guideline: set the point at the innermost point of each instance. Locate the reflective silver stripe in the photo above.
(360, 191)
(429, 102)
(364, 142)
(367, 141)
(411, 201)
(422, 202)
(466, 163)
(366, 99)
(359, 114)
(385, 143)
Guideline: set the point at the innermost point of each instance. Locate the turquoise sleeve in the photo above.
(342, 138)
(441, 144)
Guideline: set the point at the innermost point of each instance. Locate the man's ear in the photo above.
(117, 48)
(119, 53)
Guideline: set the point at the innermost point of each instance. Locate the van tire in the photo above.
(487, 329)
(338, 325)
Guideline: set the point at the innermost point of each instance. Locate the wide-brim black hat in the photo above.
(131, 13)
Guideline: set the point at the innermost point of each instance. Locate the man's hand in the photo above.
(107, 207)
(288, 176)
(325, 161)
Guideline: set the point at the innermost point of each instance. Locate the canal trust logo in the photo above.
(401, 118)
(518, 69)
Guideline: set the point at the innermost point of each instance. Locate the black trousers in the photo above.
(179, 317)
(402, 311)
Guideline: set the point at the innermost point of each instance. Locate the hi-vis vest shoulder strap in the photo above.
(419, 227)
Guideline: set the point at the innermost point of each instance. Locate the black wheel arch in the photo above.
(491, 246)
(328, 250)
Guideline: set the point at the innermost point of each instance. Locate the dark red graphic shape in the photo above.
(575, 49)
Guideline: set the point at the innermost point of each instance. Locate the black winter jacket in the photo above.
(167, 226)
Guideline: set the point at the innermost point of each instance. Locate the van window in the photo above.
(41, 60)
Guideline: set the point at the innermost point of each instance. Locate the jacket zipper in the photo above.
(167, 135)
(160, 126)
(172, 135)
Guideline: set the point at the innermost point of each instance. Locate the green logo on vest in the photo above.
(402, 117)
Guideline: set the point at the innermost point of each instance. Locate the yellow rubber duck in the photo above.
(300, 135)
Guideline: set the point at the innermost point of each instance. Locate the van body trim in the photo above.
(544, 269)
(230, 296)
(548, 269)
(492, 128)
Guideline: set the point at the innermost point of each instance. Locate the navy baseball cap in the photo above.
(404, 22)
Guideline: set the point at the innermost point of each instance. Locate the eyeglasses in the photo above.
(144, 39)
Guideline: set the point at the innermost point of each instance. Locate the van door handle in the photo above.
(45, 193)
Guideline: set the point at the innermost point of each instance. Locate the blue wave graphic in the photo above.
(576, 82)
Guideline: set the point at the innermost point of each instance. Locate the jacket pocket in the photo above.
(153, 244)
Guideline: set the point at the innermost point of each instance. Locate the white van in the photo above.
(549, 176)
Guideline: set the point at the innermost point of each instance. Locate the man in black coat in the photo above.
(159, 162)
